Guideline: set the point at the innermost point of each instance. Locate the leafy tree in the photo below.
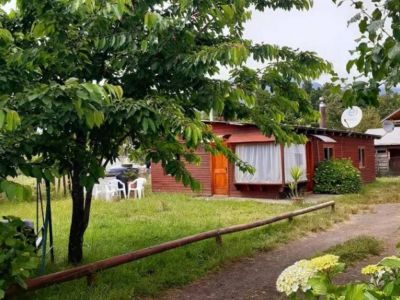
(86, 75)
(372, 116)
(388, 103)
(377, 55)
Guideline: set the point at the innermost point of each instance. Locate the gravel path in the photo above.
(255, 277)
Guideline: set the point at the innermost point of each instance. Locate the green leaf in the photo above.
(355, 18)
(319, 285)
(27, 193)
(144, 45)
(48, 175)
(37, 172)
(390, 262)
(38, 29)
(355, 292)
(119, 92)
(349, 65)
(184, 4)
(363, 25)
(369, 296)
(145, 125)
(122, 40)
(6, 36)
(228, 12)
(89, 117)
(388, 289)
(98, 118)
(150, 19)
(12, 120)
(116, 11)
(394, 51)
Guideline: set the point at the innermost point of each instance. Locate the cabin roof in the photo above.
(386, 139)
(308, 130)
(394, 117)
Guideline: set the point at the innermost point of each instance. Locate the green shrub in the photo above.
(337, 177)
(355, 249)
(17, 255)
(314, 279)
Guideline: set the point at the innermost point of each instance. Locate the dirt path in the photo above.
(255, 277)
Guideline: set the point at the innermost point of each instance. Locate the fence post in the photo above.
(218, 239)
(91, 279)
(333, 207)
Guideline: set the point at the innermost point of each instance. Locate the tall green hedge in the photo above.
(337, 176)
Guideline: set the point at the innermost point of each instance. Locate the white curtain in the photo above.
(295, 156)
(265, 158)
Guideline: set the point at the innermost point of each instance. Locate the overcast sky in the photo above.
(323, 29)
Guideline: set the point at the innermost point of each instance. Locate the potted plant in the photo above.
(296, 173)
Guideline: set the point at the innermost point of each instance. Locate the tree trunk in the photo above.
(80, 218)
(88, 204)
(75, 245)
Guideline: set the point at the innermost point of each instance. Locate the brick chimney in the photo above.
(322, 113)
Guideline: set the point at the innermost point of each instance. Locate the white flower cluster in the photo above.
(295, 277)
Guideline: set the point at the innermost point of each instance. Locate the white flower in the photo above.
(295, 277)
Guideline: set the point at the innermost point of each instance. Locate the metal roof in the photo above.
(303, 129)
(394, 117)
(387, 139)
(324, 138)
(325, 131)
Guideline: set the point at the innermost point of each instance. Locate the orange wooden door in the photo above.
(220, 175)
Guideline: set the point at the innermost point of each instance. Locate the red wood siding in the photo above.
(345, 147)
(165, 183)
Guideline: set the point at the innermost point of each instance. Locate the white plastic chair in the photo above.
(98, 190)
(137, 187)
(112, 188)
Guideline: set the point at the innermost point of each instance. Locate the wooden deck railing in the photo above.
(89, 270)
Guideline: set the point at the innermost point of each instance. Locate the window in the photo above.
(265, 158)
(295, 156)
(328, 153)
(361, 157)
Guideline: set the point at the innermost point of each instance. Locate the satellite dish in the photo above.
(388, 126)
(351, 117)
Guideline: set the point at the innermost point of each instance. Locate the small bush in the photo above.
(337, 177)
(356, 249)
(17, 256)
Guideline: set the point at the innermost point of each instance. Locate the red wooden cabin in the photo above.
(271, 160)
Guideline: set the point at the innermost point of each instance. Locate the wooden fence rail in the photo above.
(89, 270)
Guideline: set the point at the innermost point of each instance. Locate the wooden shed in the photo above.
(272, 161)
(387, 147)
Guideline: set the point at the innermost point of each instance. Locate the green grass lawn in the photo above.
(124, 226)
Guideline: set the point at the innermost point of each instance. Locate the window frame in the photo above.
(255, 182)
(303, 165)
(332, 152)
(361, 158)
